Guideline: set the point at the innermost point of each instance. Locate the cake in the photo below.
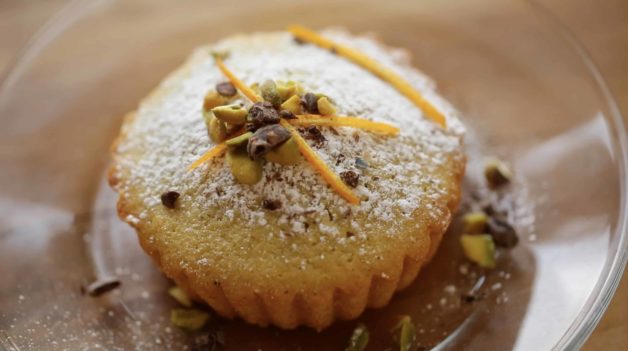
(289, 248)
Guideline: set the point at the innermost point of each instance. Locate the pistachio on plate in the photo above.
(359, 339)
(496, 173)
(188, 319)
(180, 295)
(474, 222)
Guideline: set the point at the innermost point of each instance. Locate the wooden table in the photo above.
(601, 25)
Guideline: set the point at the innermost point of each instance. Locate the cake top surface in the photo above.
(402, 176)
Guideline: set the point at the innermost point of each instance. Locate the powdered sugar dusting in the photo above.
(168, 134)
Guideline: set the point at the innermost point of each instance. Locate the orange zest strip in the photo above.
(374, 67)
(248, 92)
(211, 153)
(321, 167)
(344, 121)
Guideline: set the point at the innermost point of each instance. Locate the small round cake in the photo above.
(276, 242)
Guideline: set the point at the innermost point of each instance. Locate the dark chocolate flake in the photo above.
(350, 178)
(504, 235)
(226, 89)
(169, 199)
(285, 114)
(102, 285)
(314, 134)
(271, 205)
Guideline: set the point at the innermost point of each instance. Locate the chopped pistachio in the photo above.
(216, 128)
(293, 104)
(213, 99)
(406, 333)
(262, 113)
(270, 94)
(244, 170)
(285, 154)
(239, 140)
(479, 249)
(359, 339)
(233, 114)
(188, 319)
(325, 106)
(180, 295)
(474, 222)
(287, 89)
(496, 173)
(255, 88)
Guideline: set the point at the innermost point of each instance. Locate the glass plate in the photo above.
(526, 89)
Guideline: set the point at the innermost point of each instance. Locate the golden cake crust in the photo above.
(260, 266)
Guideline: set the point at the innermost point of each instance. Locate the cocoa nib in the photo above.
(169, 199)
(271, 204)
(262, 113)
(350, 178)
(265, 139)
(314, 134)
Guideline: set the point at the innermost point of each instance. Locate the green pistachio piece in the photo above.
(232, 114)
(496, 173)
(479, 249)
(215, 128)
(406, 333)
(213, 99)
(293, 104)
(474, 222)
(244, 170)
(359, 339)
(180, 295)
(188, 319)
(270, 93)
(239, 140)
(325, 106)
(285, 154)
(287, 89)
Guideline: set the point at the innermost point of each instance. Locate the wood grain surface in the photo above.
(602, 26)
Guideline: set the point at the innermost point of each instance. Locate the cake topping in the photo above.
(405, 333)
(226, 89)
(265, 135)
(357, 57)
(350, 178)
(169, 199)
(266, 139)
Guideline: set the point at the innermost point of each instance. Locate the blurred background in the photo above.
(602, 26)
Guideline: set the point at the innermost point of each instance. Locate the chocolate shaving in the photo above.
(314, 134)
(350, 178)
(102, 285)
(169, 199)
(271, 204)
